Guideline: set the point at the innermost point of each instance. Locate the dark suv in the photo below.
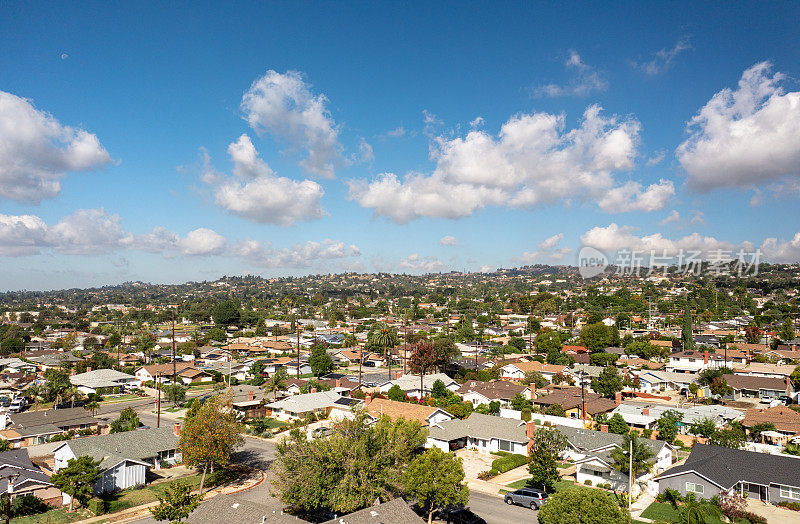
(528, 497)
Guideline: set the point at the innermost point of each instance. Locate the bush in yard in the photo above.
(486, 475)
(755, 519)
(97, 506)
(582, 506)
(587, 482)
(509, 462)
(790, 505)
(28, 505)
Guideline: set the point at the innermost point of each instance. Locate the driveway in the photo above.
(475, 462)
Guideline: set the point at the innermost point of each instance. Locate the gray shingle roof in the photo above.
(395, 511)
(587, 440)
(480, 426)
(138, 445)
(17, 461)
(727, 466)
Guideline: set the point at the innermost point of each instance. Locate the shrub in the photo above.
(97, 506)
(526, 414)
(509, 462)
(587, 482)
(647, 432)
(486, 475)
(790, 505)
(669, 495)
(28, 505)
(755, 519)
(607, 485)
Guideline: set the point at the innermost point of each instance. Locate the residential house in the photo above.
(45, 360)
(249, 400)
(425, 415)
(785, 420)
(291, 368)
(765, 388)
(190, 375)
(502, 391)
(319, 403)
(693, 361)
(517, 370)
(396, 511)
(484, 433)
(152, 371)
(583, 373)
(645, 415)
(20, 477)
(591, 451)
(656, 381)
(104, 381)
(758, 369)
(37, 427)
(571, 399)
(124, 457)
(411, 384)
(15, 365)
(712, 470)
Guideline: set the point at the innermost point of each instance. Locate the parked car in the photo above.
(17, 405)
(528, 497)
(460, 516)
(322, 432)
(5, 402)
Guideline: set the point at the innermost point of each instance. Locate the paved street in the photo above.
(495, 511)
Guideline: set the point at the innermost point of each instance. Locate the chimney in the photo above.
(313, 390)
(250, 395)
(367, 400)
(604, 428)
(338, 382)
(176, 428)
(618, 398)
(645, 412)
(532, 387)
(530, 429)
(88, 368)
(705, 357)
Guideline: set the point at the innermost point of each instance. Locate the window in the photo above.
(790, 493)
(691, 487)
(505, 445)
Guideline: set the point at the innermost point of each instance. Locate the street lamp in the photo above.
(7, 503)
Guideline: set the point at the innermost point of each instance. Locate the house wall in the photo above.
(437, 417)
(493, 444)
(678, 483)
(123, 475)
(441, 444)
(584, 472)
(775, 495)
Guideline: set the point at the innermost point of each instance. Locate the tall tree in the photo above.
(686, 330)
(436, 480)
(642, 456)
(608, 382)
(667, 425)
(423, 358)
(582, 506)
(128, 420)
(211, 435)
(77, 479)
(176, 504)
(548, 447)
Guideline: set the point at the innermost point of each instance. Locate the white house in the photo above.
(517, 370)
(411, 384)
(325, 403)
(484, 433)
(103, 380)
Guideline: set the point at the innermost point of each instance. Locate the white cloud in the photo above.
(396, 132)
(448, 240)
(257, 194)
(614, 237)
(476, 123)
(298, 256)
(21, 235)
(744, 137)
(486, 269)
(548, 250)
(36, 151)
(674, 216)
(421, 264)
(202, 242)
(630, 197)
(776, 251)
(698, 217)
(366, 155)
(284, 106)
(585, 80)
(64, 56)
(532, 161)
(89, 232)
(663, 59)
(657, 157)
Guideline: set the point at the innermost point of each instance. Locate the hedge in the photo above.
(509, 462)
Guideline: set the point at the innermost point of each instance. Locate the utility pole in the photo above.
(630, 475)
(582, 376)
(174, 371)
(298, 350)
(405, 341)
(158, 402)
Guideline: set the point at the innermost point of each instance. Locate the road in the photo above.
(495, 511)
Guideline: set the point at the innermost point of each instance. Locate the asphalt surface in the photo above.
(495, 511)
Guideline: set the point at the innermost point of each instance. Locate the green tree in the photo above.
(704, 427)
(582, 506)
(535, 379)
(595, 337)
(128, 421)
(608, 382)
(439, 390)
(730, 437)
(176, 504)
(396, 393)
(174, 393)
(4, 445)
(211, 435)
(787, 331)
(757, 429)
(549, 445)
(667, 425)
(548, 340)
(77, 479)
(617, 424)
(216, 334)
(385, 337)
(795, 377)
(355, 465)
(225, 313)
(602, 359)
(92, 406)
(423, 359)
(321, 363)
(436, 480)
(11, 345)
(277, 382)
(642, 456)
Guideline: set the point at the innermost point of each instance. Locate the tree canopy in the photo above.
(582, 506)
(77, 479)
(436, 480)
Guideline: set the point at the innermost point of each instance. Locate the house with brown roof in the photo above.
(480, 392)
(425, 415)
(570, 400)
(152, 371)
(748, 386)
(786, 420)
(194, 376)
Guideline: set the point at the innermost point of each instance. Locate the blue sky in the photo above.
(167, 144)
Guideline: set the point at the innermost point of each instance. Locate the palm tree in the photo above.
(37, 392)
(92, 407)
(275, 382)
(384, 337)
(642, 453)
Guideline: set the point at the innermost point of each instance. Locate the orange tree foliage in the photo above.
(211, 434)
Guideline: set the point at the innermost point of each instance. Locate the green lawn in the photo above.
(661, 511)
(120, 398)
(54, 516)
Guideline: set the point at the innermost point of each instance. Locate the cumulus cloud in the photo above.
(787, 252)
(89, 232)
(664, 58)
(298, 256)
(448, 240)
(585, 80)
(614, 237)
(284, 106)
(36, 151)
(547, 250)
(21, 235)
(532, 161)
(421, 264)
(397, 132)
(255, 193)
(746, 136)
(202, 242)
